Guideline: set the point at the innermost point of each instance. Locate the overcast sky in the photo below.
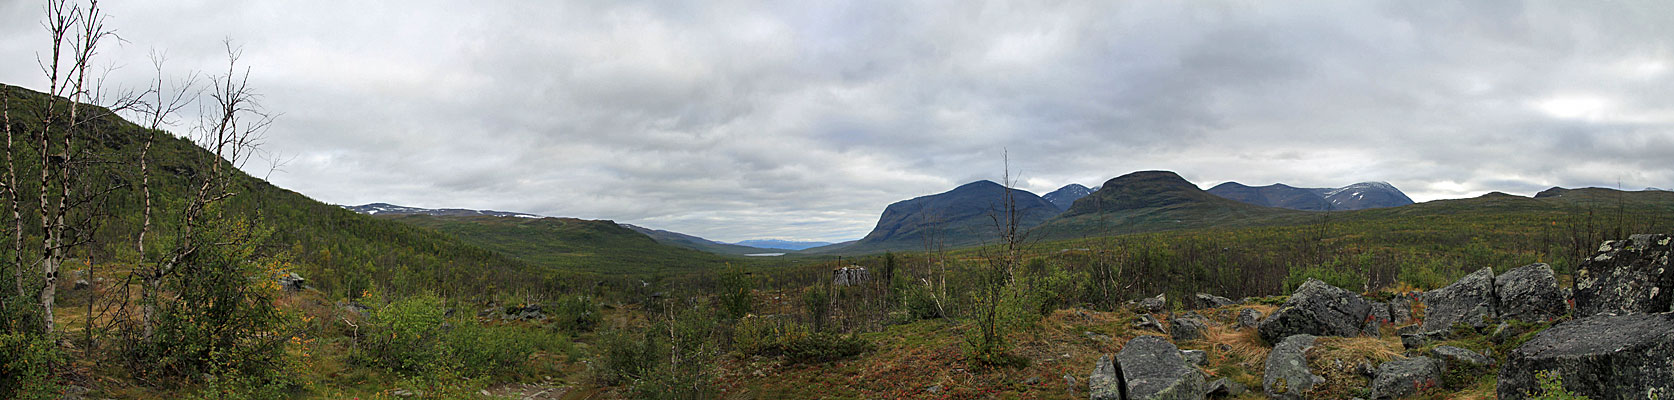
(803, 120)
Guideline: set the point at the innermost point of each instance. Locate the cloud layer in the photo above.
(736, 120)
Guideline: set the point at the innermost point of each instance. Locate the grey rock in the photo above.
(1405, 377)
(1400, 310)
(292, 282)
(1146, 322)
(1154, 304)
(1226, 388)
(1319, 309)
(1603, 357)
(1105, 383)
(1377, 319)
(1205, 300)
(1627, 276)
(1195, 357)
(1529, 293)
(1152, 368)
(1460, 358)
(933, 389)
(1032, 380)
(1187, 328)
(1249, 318)
(82, 284)
(1469, 301)
(1286, 375)
(1097, 337)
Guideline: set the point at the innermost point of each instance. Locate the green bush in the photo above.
(482, 350)
(413, 336)
(625, 356)
(823, 347)
(576, 314)
(734, 292)
(670, 360)
(26, 365)
(817, 304)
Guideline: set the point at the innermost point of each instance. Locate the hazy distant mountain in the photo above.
(780, 244)
(959, 217)
(1065, 196)
(1358, 196)
(391, 209)
(1275, 195)
(694, 242)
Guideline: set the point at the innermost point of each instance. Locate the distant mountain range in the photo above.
(1067, 195)
(781, 244)
(1358, 196)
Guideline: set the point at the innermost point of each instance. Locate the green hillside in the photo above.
(568, 243)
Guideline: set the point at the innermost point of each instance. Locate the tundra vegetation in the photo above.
(146, 263)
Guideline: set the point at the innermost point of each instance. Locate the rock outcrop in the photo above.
(1186, 328)
(1153, 304)
(1403, 377)
(1469, 301)
(1105, 383)
(1319, 309)
(1152, 368)
(1602, 357)
(1529, 293)
(1627, 276)
(1205, 300)
(1285, 375)
(1377, 319)
(1226, 388)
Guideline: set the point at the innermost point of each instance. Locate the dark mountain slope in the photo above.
(959, 217)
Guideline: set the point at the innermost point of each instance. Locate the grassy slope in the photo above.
(569, 243)
(697, 243)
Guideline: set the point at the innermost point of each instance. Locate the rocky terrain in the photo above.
(1513, 335)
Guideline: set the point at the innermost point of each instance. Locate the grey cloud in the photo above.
(737, 119)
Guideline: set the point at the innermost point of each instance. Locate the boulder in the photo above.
(850, 276)
(1286, 375)
(1184, 328)
(1319, 309)
(1460, 358)
(1602, 357)
(1249, 318)
(354, 308)
(1404, 377)
(1152, 368)
(531, 312)
(82, 284)
(1529, 293)
(1377, 319)
(1205, 300)
(1626, 276)
(1105, 383)
(1469, 301)
(1226, 388)
(1153, 304)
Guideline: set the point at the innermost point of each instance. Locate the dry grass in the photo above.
(1339, 360)
(1242, 347)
